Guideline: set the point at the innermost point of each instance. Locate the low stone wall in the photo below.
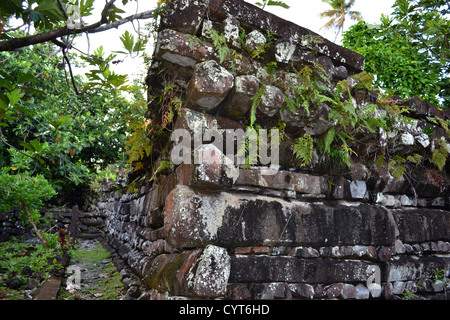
(318, 230)
(52, 219)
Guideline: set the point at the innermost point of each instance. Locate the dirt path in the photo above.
(91, 274)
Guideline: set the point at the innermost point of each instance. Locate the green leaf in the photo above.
(415, 158)
(278, 3)
(113, 13)
(86, 7)
(398, 171)
(128, 41)
(303, 148)
(328, 139)
(50, 9)
(439, 158)
(14, 96)
(26, 77)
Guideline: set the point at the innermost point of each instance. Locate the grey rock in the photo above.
(358, 189)
(349, 291)
(362, 293)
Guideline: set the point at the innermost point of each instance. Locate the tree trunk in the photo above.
(39, 235)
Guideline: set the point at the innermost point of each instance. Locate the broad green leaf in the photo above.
(50, 9)
(86, 7)
(14, 96)
(128, 41)
(26, 77)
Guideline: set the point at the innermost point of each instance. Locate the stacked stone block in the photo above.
(218, 230)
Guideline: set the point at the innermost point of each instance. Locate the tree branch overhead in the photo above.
(102, 25)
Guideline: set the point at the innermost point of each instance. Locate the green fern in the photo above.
(272, 3)
(163, 165)
(396, 166)
(415, 158)
(256, 100)
(243, 148)
(303, 148)
(439, 157)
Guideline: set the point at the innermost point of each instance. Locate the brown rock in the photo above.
(209, 86)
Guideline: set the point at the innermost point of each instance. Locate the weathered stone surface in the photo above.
(184, 16)
(340, 73)
(213, 270)
(405, 268)
(285, 52)
(421, 225)
(426, 109)
(306, 252)
(302, 290)
(194, 218)
(244, 89)
(238, 291)
(284, 180)
(349, 291)
(271, 101)
(314, 123)
(287, 31)
(182, 49)
(199, 123)
(202, 272)
(289, 269)
(215, 171)
(231, 31)
(327, 65)
(358, 189)
(209, 86)
(254, 41)
(362, 292)
(270, 291)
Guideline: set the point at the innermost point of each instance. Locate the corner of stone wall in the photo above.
(216, 230)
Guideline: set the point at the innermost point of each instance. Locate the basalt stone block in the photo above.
(184, 15)
(254, 41)
(289, 269)
(271, 101)
(195, 218)
(424, 109)
(244, 89)
(209, 86)
(327, 65)
(405, 268)
(196, 122)
(314, 123)
(422, 225)
(200, 273)
(284, 180)
(286, 31)
(182, 49)
(231, 31)
(215, 171)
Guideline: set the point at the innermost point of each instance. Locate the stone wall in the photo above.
(319, 230)
(51, 220)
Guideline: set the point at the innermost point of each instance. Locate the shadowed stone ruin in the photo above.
(324, 226)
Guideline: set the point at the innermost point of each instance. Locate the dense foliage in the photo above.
(410, 51)
(69, 136)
